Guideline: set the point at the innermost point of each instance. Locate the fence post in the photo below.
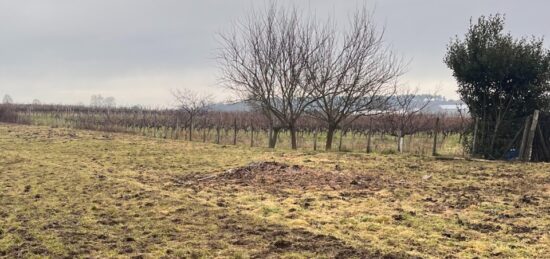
(353, 139)
(218, 134)
(315, 139)
(369, 136)
(434, 148)
(251, 135)
(341, 137)
(400, 141)
(531, 137)
(523, 144)
(474, 141)
(191, 128)
(235, 131)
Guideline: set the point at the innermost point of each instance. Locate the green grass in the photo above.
(66, 192)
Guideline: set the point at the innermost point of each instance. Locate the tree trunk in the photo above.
(474, 139)
(369, 147)
(400, 141)
(270, 137)
(273, 134)
(293, 138)
(330, 137)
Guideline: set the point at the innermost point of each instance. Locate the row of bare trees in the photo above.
(287, 64)
(176, 124)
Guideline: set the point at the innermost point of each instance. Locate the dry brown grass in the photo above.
(66, 193)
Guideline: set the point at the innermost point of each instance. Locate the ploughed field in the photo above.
(71, 193)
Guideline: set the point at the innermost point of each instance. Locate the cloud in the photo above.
(149, 89)
(136, 50)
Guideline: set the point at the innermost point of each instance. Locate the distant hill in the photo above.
(443, 105)
(439, 104)
(231, 107)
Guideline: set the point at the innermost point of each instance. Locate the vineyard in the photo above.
(374, 133)
(338, 136)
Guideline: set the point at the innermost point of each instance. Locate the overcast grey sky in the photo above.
(64, 51)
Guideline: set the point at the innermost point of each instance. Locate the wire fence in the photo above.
(377, 133)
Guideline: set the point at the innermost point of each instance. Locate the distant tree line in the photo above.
(100, 101)
(179, 124)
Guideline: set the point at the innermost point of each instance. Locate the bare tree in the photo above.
(96, 100)
(353, 76)
(405, 106)
(192, 105)
(265, 61)
(7, 99)
(465, 120)
(275, 125)
(109, 102)
(99, 101)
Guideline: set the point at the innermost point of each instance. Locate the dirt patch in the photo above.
(282, 240)
(522, 229)
(275, 176)
(483, 228)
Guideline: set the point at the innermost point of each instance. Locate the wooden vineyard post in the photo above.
(352, 140)
(218, 134)
(531, 137)
(474, 141)
(524, 137)
(434, 148)
(400, 141)
(315, 139)
(177, 127)
(235, 131)
(369, 141)
(341, 137)
(251, 135)
(191, 129)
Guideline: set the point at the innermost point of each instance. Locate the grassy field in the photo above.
(67, 193)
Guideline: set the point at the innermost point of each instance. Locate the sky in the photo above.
(65, 51)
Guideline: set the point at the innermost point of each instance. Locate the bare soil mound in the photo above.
(274, 176)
